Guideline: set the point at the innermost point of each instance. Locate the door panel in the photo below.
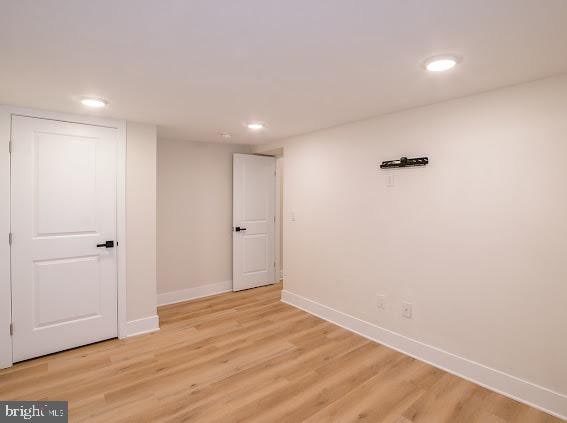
(254, 210)
(255, 251)
(56, 177)
(64, 288)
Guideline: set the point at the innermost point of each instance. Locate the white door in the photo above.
(253, 215)
(64, 289)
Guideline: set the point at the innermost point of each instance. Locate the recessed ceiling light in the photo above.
(255, 126)
(441, 63)
(95, 103)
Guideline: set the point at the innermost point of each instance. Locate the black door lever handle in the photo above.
(238, 229)
(107, 244)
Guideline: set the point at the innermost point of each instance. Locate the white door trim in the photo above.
(5, 288)
(278, 232)
(6, 113)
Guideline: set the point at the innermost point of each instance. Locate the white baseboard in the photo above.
(521, 390)
(142, 326)
(194, 293)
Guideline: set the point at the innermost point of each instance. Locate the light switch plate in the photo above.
(407, 310)
(390, 179)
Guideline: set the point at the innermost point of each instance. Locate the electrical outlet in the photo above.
(380, 302)
(407, 310)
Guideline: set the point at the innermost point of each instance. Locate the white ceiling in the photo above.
(199, 68)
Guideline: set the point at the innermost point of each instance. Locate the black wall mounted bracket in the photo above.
(405, 162)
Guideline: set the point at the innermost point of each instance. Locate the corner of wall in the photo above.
(141, 227)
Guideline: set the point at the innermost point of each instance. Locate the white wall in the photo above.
(141, 222)
(476, 241)
(194, 218)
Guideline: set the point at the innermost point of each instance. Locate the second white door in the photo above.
(254, 200)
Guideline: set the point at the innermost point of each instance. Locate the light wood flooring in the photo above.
(247, 357)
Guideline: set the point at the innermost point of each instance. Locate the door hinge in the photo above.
(11, 329)
(10, 238)
(10, 146)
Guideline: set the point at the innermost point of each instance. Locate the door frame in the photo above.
(6, 113)
(278, 230)
(276, 215)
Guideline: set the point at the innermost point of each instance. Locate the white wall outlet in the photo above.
(292, 216)
(407, 310)
(380, 301)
